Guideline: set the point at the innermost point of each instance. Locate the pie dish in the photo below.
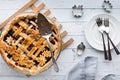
(94, 37)
(24, 49)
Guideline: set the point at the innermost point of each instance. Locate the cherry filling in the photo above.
(34, 27)
(22, 65)
(23, 19)
(21, 40)
(32, 19)
(17, 46)
(30, 58)
(47, 59)
(17, 25)
(54, 31)
(29, 22)
(28, 33)
(40, 53)
(9, 56)
(47, 48)
(16, 37)
(30, 47)
(35, 52)
(10, 33)
(24, 53)
(6, 51)
(23, 30)
(16, 63)
(52, 41)
(36, 62)
(55, 39)
(5, 38)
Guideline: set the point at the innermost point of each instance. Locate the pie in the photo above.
(24, 49)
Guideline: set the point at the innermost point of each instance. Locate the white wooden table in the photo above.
(62, 9)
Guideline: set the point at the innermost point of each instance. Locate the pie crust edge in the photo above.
(24, 70)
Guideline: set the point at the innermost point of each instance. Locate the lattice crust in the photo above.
(25, 50)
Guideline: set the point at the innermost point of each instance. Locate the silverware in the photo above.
(45, 29)
(106, 23)
(80, 49)
(100, 28)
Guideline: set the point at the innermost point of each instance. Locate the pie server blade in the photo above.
(44, 25)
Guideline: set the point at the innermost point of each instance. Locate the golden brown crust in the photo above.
(15, 50)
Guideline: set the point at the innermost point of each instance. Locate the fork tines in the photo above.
(106, 21)
(99, 21)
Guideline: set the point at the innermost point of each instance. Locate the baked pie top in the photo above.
(24, 49)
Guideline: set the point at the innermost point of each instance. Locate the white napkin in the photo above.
(111, 77)
(83, 70)
(90, 68)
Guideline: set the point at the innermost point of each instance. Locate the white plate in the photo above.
(94, 37)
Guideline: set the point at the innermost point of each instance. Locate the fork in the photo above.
(100, 25)
(106, 23)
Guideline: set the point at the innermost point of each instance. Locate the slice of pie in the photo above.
(24, 49)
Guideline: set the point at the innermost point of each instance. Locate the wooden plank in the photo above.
(53, 19)
(63, 34)
(37, 9)
(18, 12)
(46, 13)
(67, 44)
(59, 26)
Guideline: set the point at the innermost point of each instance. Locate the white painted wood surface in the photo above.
(62, 9)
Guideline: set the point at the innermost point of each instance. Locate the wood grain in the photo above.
(59, 26)
(64, 45)
(63, 34)
(46, 13)
(37, 9)
(18, 12)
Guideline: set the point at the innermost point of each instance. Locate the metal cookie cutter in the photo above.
(107, 6)
(77, 11)
(80, 49)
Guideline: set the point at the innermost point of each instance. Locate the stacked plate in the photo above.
(94, 37)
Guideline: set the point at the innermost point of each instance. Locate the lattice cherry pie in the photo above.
(24, 49)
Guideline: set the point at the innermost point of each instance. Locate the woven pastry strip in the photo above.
(36, 10)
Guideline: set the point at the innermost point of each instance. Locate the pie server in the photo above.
(45, 29)
(43, 25)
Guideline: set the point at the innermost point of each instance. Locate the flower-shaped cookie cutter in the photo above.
(77, 11)
(107, 6)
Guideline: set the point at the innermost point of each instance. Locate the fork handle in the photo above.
(109, 52)
(116, 50)
(105, 52)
